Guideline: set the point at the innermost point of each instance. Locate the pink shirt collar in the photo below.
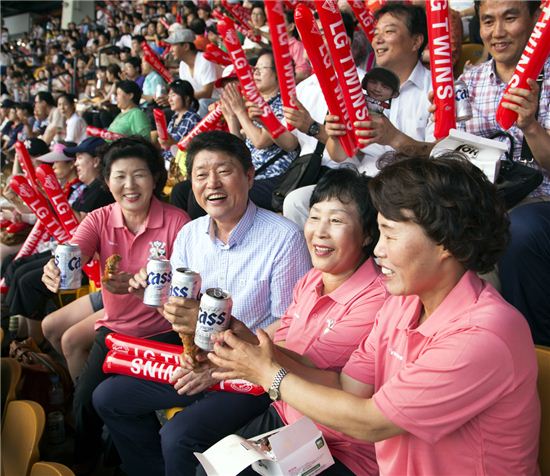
(465, 293)
(363, 277)
(154, 218)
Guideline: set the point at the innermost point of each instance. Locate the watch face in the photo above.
(273, 394)
(314, 129)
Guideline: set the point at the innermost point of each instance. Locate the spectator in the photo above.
(259, 27)
(47, 116)
(131, 120)
(525, 266)
(153, 83)
(137, 226)
(75, 126)
(447, 356)
(132, 71)
(255, 255)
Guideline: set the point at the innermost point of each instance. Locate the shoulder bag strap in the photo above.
(526, 154)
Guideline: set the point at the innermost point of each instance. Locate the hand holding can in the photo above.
(51, 276)
(214, 316)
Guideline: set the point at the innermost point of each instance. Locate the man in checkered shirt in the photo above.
(524, 270)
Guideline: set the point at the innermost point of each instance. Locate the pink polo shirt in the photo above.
(462, 384)
(326, 330)
(104, 231)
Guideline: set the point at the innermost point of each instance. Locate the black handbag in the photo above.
(515, 179)
(303, 171)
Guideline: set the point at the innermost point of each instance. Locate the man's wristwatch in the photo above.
(273, 391)
(314, 129)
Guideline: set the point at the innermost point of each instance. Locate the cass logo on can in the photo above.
(158, 279)
(211, 319)
(74, 262)
(180, 291)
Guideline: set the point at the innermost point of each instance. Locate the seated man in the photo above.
(446, 382)
(255, 255)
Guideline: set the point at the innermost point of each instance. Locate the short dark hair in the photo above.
(349, 186)
(136, 147)
(130, 87)
(184, 89)
(219, 141)
(46, 96)
(114, 69)
(138, 38)
(413, 16)
(71, 98)
(532, 5)
(452, 200)
(134, 61)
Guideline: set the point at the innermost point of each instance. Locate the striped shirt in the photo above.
(265, 256)
(178, 130)
(486, 90)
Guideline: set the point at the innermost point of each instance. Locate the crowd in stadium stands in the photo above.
(393, 297)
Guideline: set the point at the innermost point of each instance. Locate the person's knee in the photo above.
(51, 329)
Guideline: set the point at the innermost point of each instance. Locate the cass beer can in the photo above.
(68, 259)
(462, 102)
(185, 283)
(214, 316)
(159, 275)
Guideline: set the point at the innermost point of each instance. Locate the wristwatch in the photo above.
(314, 129)
(273, 391)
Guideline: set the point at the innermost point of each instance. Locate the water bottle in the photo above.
(55, 421)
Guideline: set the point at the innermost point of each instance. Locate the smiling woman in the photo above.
(138, 226)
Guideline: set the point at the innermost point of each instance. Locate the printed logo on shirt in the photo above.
(395, 354)
(157, 249)
(330, 325)
(112, 243)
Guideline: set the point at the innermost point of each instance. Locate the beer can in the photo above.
(462, 102)
(185, 283)
(214, 316)
(67, 258)
(159, 276)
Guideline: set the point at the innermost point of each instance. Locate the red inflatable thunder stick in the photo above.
(364, 16)
(439, 35)
(69, 222)
(103, 133)
(215, 54)
(157, 361)
(160, 122)
(38, 235)
(529, 65)
(281, 53)
(246, 77)
(157, 64)
(26, 162)
(241, 14)
(208, 123)
(344, 65)
(38, 204)
(242, 29)
(322, 65)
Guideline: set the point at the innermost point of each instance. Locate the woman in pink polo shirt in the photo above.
(334, 304)
(446, 381)
(138, 226)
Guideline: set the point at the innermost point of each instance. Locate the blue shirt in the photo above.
(178, 130)
(265, 256)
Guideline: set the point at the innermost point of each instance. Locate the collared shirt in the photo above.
(264, 257)
(463, 384)
(104, 231)
(261, 156)
(408, 113)
(486, 90)
(327, 329)
(204, 72)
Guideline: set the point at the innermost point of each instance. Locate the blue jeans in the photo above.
(524, 269)
(127, 406)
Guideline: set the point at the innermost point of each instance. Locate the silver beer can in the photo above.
(462, 102)
(214, 316)
(185, 283)
(68, 259)
(159, 276)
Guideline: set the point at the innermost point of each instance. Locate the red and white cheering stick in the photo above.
(322, 65)
(441, 65)
(529, 65)
(281, 53)
(161, 371)
(208, 123)
(25, 161)
(157, 64)
(39, 234)
(241, 14)
(65, 214)
(364, 16)
(242, 29)
(215, 54)
(103, 133)
(160, 122)
(38, 204)
(143, 348)
(344, 65)
(246, 78)
(164, 23)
